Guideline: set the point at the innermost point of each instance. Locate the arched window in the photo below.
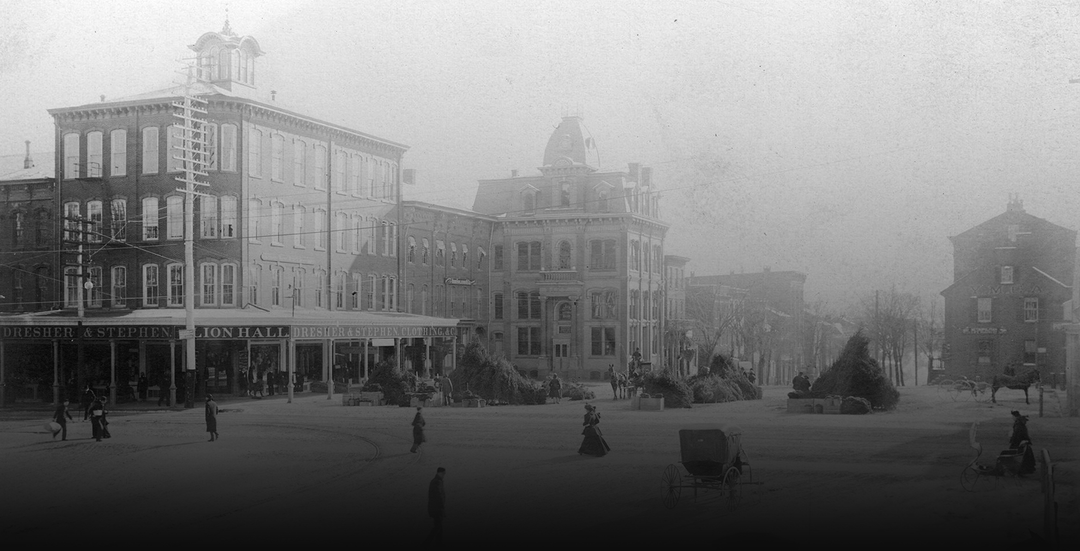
(564, 194)
(566, 311)
(41, 228)
(564, 255)
(213, 59)
(223, 64)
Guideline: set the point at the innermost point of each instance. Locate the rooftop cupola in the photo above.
(226, 60)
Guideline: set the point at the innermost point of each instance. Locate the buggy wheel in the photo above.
(968, 477)
(671, 486)
(730, 486)
(961, 391)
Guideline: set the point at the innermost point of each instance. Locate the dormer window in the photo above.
(1006, 275)
(528, 201)
(564, 194)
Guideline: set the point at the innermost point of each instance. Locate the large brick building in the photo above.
(296, 237)
(577, 262)
(1012, 275)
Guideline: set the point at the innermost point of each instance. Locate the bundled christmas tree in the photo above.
(855, 373)
(722, 381)
(493, 378)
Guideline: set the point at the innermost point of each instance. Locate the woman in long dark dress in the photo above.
(1019, 436)
(418, 431)
(594, 443)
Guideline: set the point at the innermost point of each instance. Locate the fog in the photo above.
(843, 139)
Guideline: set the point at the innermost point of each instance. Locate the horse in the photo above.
(1019, 382)
(622, 383)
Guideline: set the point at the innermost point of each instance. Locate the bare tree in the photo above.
(931, 335)
(890, 315)
(713, 315)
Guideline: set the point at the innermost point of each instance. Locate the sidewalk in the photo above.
(30, 409)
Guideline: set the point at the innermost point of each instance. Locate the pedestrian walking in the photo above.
(163, 390)
(418, 430)
(436, 506)
(211, 417)
(613, 378)
(594, 443)
(60, 417)
(96, 414)
(256, 385)
(447, 388)
(143, 385)
(88, 398)
(555, 387)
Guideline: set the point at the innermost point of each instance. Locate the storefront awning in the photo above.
(165, 324)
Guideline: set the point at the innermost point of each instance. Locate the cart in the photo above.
(713, 460)
(1007, 463)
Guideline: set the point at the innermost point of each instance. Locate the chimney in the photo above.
(102, 98)
(28, 162)
(513, 173)
(646, 176)
(273, 95)
(1015, 203)
(408, 176)
(633, 172)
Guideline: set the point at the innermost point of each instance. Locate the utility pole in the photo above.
(78, 237)
(194, 160)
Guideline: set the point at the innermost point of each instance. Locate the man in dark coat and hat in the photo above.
(418, 430)
(211, 417)
(436, 506)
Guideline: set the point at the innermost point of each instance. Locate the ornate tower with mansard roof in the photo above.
(579, 252)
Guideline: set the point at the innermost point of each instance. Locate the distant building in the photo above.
(1012, 275)
(28, 279)
(767, 309)
(679, 351)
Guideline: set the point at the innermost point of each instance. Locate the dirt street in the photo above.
(316, 471)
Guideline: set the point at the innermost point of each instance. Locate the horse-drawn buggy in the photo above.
(714, 460)
(966, 389)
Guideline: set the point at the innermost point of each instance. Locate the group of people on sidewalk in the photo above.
(96, 413)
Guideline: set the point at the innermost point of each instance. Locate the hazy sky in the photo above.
(843, 139)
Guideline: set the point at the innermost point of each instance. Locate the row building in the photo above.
(306, 258)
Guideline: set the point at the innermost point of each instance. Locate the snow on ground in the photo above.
(314, 468)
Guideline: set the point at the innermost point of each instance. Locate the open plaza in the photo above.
(315, 470)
